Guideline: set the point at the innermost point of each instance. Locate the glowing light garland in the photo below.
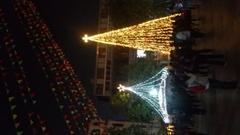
(56, 76)
(154, 35)
(153, 91)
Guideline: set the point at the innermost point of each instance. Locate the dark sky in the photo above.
(68, 20)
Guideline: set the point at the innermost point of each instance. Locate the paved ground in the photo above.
(221, 22)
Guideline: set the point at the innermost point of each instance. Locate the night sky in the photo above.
(68, 20)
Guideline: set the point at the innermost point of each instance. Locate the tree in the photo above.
(131, 12)
(140, 111)
(131, 106)
(120, 102)
(141, 70)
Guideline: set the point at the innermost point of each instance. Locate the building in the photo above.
(108, 59)
(103, 71)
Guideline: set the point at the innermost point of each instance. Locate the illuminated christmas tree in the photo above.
(40, 93)
(154, 35)
(153, 91)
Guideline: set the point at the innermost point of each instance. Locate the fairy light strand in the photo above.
(153, 91)
(154, 35)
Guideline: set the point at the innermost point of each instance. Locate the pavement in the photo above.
(220, 20)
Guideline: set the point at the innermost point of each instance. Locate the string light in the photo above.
(22, 88)
(154, 35)
(153, 91)
(170, 129)
(56, 72)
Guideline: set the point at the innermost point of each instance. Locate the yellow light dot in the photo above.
(85, 38)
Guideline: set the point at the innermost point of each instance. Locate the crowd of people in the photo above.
(190, 71)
